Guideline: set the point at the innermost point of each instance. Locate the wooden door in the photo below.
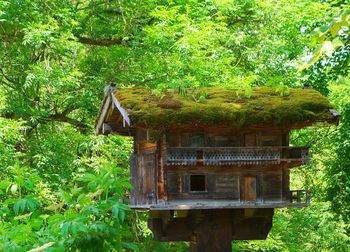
(249, 188)
(143, 179)
(148, 178)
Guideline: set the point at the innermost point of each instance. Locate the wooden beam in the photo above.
(122, 111)
(200, 204)
(102, 115)
(106, 129)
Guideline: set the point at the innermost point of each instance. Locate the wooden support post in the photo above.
(286, 196)
(161, 163)
(214, 232)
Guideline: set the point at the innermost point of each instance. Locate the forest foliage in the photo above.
(64, 189)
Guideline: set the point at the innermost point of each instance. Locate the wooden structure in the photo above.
(214, 171)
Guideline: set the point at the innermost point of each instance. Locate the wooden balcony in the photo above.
(211, 156)
(296, 199)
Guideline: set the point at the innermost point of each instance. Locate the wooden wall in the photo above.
(228, 138)
(153, 182)
(245, 184)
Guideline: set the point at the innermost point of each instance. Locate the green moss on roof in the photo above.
(224, 107)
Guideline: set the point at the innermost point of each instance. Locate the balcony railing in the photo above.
(236, 155)
(300, 197)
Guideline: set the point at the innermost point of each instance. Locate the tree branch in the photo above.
(62, 117)
(58, 117)
(89, 6)
(7, 79)
(83, 128)
(100, 42)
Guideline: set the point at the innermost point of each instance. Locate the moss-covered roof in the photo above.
(224, 107)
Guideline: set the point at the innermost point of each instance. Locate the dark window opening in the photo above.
(196, 140)
(198, 183)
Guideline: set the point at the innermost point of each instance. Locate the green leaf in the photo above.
(28, 184)
(131, 246)
(87, 177)
(336, 42)
(122, 215)
(55, 219)
(78, 228)
(115, 211)
(4, 184)
(65, 229)
(26, 204)
(84, 200)
(13, 188)
(17, 206)
(324, 28)
(36, 223)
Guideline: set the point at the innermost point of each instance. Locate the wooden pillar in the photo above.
(161, 180)
(285, 183)
(285, 169)
(214, 232)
